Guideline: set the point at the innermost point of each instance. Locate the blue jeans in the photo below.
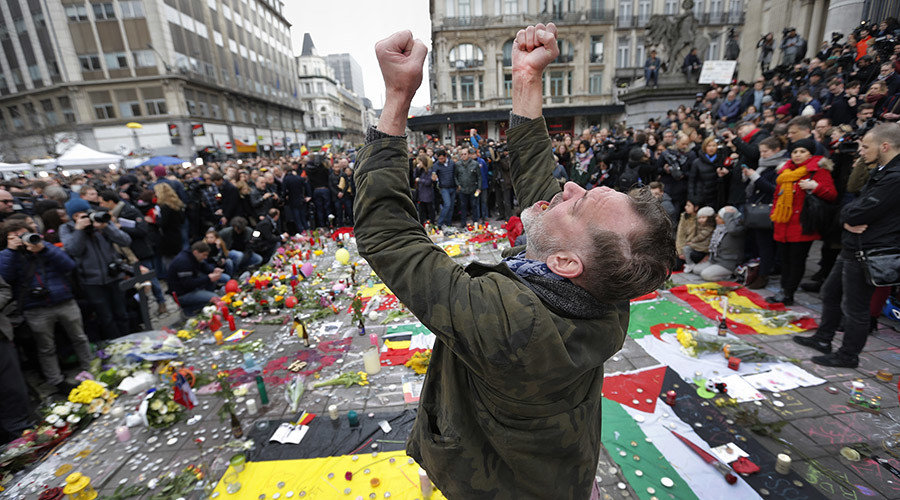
(154, 283)
(468, 202)
(483, 213)
(322, 199)
(243, 260)
(448, 195)
(651, 75)
(298, 213)
(192, 302)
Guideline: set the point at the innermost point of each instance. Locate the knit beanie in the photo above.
(159, 171)
(808, 144)
(706, 212)
(76, 205)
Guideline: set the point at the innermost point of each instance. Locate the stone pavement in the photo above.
(819, 422)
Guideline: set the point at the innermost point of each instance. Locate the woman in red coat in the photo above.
(801, 175)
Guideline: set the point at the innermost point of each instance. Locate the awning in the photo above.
(422, 122)
(242, 147)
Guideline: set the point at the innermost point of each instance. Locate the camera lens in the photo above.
(100, 217)
(31, 238)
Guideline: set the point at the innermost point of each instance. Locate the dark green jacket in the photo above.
(467, 176)
(510, 407)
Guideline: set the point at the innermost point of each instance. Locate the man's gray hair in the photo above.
(886, 132)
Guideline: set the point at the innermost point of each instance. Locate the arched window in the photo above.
(466, 55)
(507, 52)
(566, 51)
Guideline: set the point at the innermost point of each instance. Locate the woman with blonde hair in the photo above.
(169, 219)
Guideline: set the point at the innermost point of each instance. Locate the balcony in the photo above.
(720, 18)
(632, 21)
(580, 17)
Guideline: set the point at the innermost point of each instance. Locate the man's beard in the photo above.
(538, 242)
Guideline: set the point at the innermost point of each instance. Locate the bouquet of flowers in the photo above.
(693, 343)
(94, 396)
(346, 380)
(161, 410)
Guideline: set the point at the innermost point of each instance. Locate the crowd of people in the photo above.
(751, 175)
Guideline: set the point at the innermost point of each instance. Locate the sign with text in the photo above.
(717, 72)
(198, 130)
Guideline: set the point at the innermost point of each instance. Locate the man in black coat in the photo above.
(231, 197)
(192, 279)
(746, 145)
(838, 109)
(297, 193)
(870, 222)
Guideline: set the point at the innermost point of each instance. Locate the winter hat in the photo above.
(76, 205)
(706, 212)
(783, 110)
(766, 99)
(159, 171)
(808, 144)
(127, 179)
(722, 212)
(636, 155)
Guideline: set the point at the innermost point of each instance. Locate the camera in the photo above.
(835, 36)
(118, 267)
(31, 238)
(39, 293)
(99, 217)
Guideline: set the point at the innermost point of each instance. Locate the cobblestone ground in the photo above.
(819, 422)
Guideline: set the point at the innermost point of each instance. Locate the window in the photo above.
(116, 60)
(596, 48)
(699, 7)
(623, 52)
(156, 107)
(559, 86)
(643, 11)
(467, 90)
(76, 13)
(510, 6)
(90, 62)
(714, 44)
(670, 7)
(566, 51)
(507, 85)
(103, 11)
(32, 115)
(715, 6)
(49, 112)
(104, 111)
(66, 106)
(453, 88)
(466, 55)
(19, 24)
(639, 53)
(34, 71)
(131, 9)
(144, 58)
(129, 109)
(507, 53)
(15, 117)
(595, 85)
(626, 7)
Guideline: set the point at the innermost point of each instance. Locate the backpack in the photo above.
(629, 178)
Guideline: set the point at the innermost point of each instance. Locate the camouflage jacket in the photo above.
(510, 407)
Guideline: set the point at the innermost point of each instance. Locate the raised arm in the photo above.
(530, 154)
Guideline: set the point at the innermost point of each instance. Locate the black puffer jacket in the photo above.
(704, 182)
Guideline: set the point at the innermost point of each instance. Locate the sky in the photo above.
(354, 26)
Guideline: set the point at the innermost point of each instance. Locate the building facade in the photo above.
(198, 76)
(320, 98)
(347, 71)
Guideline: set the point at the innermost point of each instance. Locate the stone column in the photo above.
(815, 29)
(843, 16)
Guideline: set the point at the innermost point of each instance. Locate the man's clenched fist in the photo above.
(533, 49)
(401, 58)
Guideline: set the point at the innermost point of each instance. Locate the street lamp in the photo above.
(134, 126)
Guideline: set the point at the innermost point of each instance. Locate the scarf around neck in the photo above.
(523, 267)
(784, 205)
(715, 239)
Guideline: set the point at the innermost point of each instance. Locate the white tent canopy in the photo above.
(11, 167)
(81, 156)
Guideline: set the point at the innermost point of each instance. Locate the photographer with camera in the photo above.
(192, 279)
(89, 238)
(38, 275)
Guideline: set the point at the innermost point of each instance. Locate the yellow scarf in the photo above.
(784, 206)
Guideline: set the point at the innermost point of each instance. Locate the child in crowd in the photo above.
(696, 234)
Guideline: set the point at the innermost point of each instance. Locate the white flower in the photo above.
(163, 410)
(60, 424)
(52, 418)
(61, 410)
(77, 407)
(73, 419)
(156, 404)
(209, 310)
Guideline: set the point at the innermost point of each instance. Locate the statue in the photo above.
(676, 36)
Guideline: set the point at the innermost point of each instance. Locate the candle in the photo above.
(218, 335)
(352, 418)
(371, 363)
(425, 483)
(783, 465)
(734, 363)
(670, 398)
(373, 339)
(231, 323)
(123, 433)
(251, 406)
(333, 412)
(117, 412)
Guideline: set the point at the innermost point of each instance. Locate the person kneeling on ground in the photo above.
(511, 404)
(694, 233)
(726, 246)
(192, 279)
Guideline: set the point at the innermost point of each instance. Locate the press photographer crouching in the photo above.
(89, 238)
(192, 279)
(38, 275)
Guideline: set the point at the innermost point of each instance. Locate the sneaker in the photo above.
(780, 298)
(815, 343)
(837, 360)
(688, 268)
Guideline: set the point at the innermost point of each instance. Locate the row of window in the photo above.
(467, 55)
(117, 60)
(47, 117)
(130, 9)
(468, 89)
(475, 8)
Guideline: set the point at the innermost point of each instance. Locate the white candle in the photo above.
(333, 412)
(783, 465)
(425, 483)
(117, 412)
(371, 362)
(251, 406)
(123, 434)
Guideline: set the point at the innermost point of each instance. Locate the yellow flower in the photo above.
(278, 298)
(238, 303)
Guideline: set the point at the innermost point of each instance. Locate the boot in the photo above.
(760, 282)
